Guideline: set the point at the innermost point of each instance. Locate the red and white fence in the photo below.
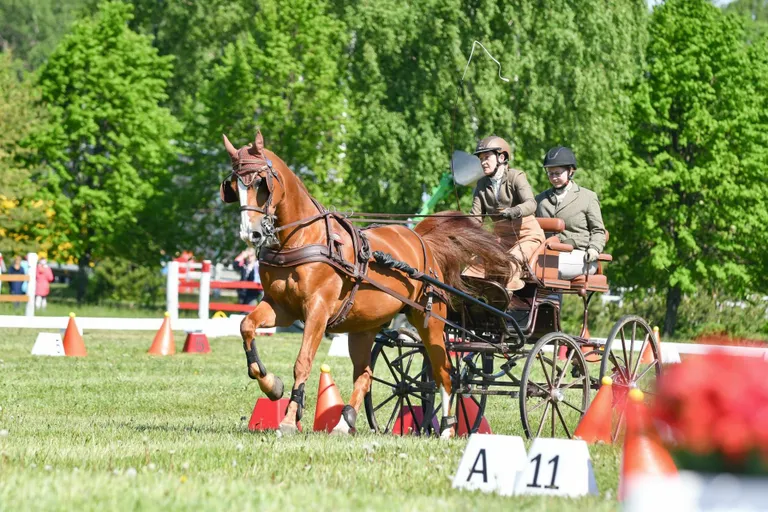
(186, 277)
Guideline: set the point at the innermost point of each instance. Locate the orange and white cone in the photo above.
(595, 426)
(329, 402)
(163, 344)
(73, 342)
(643, 451)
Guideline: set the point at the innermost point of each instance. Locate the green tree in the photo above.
(570, 65)
(196, 34)
(690, 207)
(18, 117)
(33, 28)
(108, 147)
(286, 77)
(755, 14)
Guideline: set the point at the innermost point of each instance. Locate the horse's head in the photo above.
(258, 186)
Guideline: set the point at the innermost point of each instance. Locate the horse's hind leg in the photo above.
(434, 343)
(360, 344)
(266, 314)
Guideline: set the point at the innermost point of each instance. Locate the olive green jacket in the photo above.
(581, 212)
(514, 191)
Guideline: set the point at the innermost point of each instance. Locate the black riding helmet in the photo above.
(560, 156)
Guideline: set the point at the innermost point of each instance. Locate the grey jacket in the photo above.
(514, 191)
(581, 212)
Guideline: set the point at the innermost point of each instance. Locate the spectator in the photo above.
(25, 268)
(16, 286)
(43, 284)
(249, 271)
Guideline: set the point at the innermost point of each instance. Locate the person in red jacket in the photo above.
(43, 284)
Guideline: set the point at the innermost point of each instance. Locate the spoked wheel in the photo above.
(554, 393)
(632, 359)
(402, 378)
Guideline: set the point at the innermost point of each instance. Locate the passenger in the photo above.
(578, 207)
(504, 192)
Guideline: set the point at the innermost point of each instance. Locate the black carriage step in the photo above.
(474, 346)
(490, 392)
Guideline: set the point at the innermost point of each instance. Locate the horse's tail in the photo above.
(455, 240)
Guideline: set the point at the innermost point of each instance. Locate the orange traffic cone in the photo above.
(648, 357)
(643, 451)
(163, 344)
(595, 426)
(329, 402)
(73, 342)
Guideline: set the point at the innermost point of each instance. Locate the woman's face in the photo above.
(558, 176)
(489, 160)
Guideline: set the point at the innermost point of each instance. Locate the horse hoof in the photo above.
(288, 429)
(342, 428)
(446, 434)
(277, 389)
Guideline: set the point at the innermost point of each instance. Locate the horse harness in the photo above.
(331, 252)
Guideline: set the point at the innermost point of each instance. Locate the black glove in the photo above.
(511, 213)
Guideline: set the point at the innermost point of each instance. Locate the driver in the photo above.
(578, 207)
(504, 192)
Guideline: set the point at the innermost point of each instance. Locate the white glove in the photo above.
(591, 255)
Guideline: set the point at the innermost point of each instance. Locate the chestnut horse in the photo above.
(316, 267)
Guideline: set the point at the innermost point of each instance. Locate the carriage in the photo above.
(513, 347)
(318, 267)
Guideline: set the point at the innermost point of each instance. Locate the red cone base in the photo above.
(410, 420)
(197, 342)
(267, 414)
(466, 416)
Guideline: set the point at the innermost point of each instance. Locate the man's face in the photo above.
(489, 160)
(558, 176)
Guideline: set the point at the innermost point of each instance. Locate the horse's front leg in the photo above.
(265, 315)
(314, 327)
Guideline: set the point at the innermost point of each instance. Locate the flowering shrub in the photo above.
(714, 409)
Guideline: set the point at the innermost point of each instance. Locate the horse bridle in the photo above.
(247, 177)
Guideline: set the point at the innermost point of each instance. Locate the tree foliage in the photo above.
(18, 117)
(692, 207)
(570, 65)
(284, 76)
(108, 146)
(33, 28)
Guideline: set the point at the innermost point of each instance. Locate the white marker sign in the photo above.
(491, 463)
(48, 344)
(558, 467)
(339, 346)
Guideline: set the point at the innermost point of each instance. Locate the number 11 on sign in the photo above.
(553, 461)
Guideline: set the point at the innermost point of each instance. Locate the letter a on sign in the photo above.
(491, 463)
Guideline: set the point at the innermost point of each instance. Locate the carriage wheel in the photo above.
(623, 361)
(404, 380)
(554, 393)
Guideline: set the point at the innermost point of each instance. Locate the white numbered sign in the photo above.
(560, 467)
(491, 463)
(48, 344)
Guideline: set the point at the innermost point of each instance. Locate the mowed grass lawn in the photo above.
(121, 430)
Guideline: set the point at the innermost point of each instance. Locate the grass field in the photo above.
(121, 430)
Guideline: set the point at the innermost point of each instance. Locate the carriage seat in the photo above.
(544, 262)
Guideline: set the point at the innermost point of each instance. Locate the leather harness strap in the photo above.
(356, 270)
